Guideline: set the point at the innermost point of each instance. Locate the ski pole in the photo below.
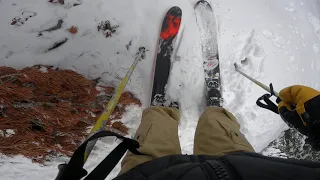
(267, 88)
(102, 121)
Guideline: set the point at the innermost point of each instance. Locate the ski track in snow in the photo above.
(279, 39)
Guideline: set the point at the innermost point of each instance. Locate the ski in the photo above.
(209, 44)
(169, 30)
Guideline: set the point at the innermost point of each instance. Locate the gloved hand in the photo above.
(300, 108)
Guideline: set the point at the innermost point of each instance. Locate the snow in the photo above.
(280, 40)
(9, 132)
(272, 152)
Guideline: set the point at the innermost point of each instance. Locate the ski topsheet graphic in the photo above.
(209, 43)
(169, 30)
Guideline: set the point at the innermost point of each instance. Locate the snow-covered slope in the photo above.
(281, 40)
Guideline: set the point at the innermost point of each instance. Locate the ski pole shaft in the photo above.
(267, 88)
(102, 121)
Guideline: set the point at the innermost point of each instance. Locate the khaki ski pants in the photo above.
(217, 134)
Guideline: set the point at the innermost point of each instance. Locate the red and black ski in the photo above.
(169, 31)
(209, 43)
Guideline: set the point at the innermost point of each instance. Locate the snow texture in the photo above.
(280, 40)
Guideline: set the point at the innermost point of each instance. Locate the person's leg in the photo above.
(157, 136)
(218, 133)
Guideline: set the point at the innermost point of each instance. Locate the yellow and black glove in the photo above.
(300, 108)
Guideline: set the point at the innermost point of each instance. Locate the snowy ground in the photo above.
(280, 38)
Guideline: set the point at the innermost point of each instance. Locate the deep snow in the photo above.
(281, 40)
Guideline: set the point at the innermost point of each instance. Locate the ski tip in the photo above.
(175, 11)
(202, 2)
(171, 23)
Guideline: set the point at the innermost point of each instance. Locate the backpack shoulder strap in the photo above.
(74, 169)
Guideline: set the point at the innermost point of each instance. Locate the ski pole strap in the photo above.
(265, 102)
(74, 169)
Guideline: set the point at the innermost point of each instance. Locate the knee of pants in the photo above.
(219, 113)
(218, 122)
(158, 120)
(162, 112)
